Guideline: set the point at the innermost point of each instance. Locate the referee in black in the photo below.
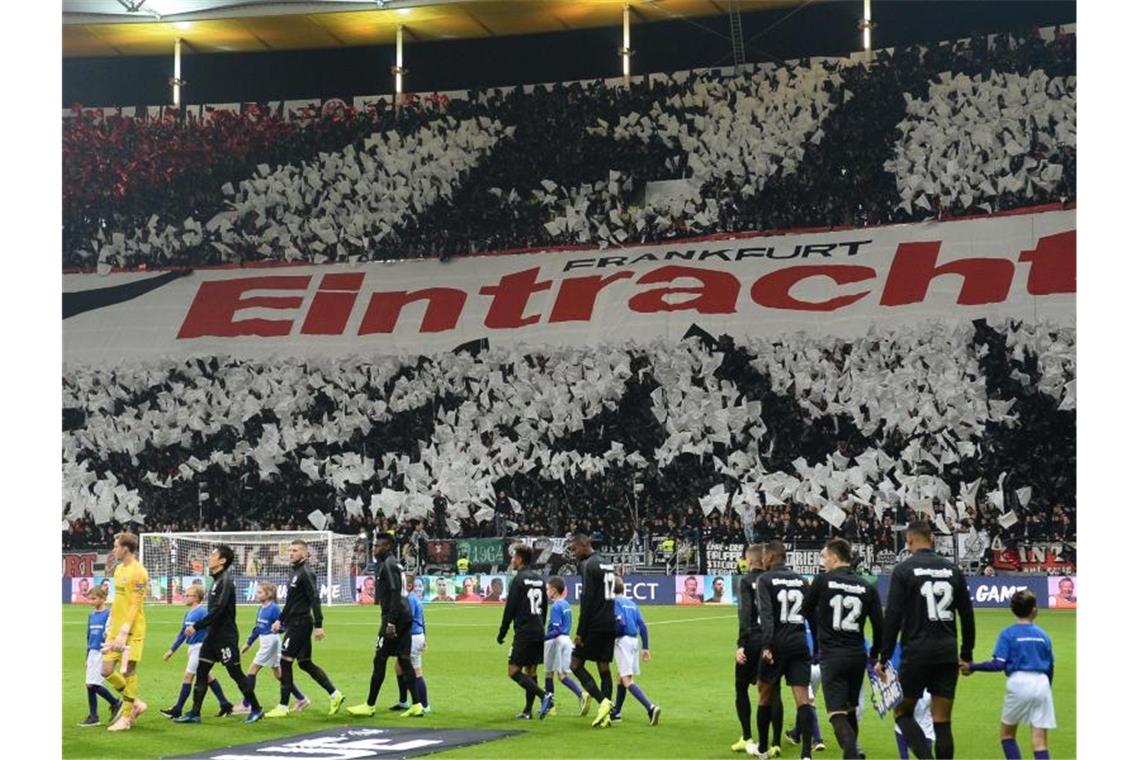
(838, 604)
(927, 597)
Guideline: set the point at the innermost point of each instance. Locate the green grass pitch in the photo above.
(690, 676)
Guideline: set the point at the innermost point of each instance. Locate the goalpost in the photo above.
(175, 561)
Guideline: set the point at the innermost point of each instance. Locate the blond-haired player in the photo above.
(121, 655)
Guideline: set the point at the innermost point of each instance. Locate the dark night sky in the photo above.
(823, 28)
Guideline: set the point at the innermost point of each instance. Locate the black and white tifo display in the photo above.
(866, 368)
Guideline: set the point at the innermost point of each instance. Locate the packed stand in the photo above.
(959, 128)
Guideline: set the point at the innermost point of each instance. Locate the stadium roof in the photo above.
(149, 27)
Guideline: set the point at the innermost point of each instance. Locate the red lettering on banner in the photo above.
(578, 295)
(79, 565)
(442, 311)
(328, 314)
(217, 301)
(984, 280)
(510, 298)
(716, 295)
(1053, 264)
(774, 290)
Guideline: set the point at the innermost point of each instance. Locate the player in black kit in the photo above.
(785, 654)
(301, 621)
(526, 608)
(838, 604)
(221, 644)
(594, 639)
(749, 647)
(394, 638)
(926, 592)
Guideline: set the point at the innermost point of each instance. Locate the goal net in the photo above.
(176, 561)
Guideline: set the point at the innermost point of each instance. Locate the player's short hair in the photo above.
(270, 590)
(299, 542)
(921, 528)
(198, 590)
(841, 548)
(1023, 602)
(776, 548)
(386, 537)
(524, 553)
(226, 552)
(619, 585)
(128, 541)
(580, 538)
(754, 550)
(98, 591)
(556, 583)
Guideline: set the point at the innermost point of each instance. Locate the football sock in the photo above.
(639, 695)
(778, 720)
(183, 695)
(548, 683)
(1040, 754)
(1010, 750)
(421, 691)
(816, 736)
(244, 684)
(317, 675)
(253, 685)
(943, 740)
(620, 700)
(853, 719)
(744, 709)
(763, 723)
(915, 739)
(295, 692)
(131, 692)
(607, 683)
(102, 692)
(92, 701)
(572, 685)
(588, 684)
(379, 670)
(803, 723)
(116, 681)
(844, 735)
(200, 680)
(286, 680)
(900, 740)
(403, 690)
(527, 683)
(216, 687)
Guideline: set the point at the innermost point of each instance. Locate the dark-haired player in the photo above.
(1025, 653)
(749, 646)
(301, 621)
(838, 604)
(221, 643)
(594, 640)
(927, 596)
(780, 592)
(394, 638)
(526, 609)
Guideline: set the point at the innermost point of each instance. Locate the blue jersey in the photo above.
(561, 620)
(1024, 646)
(810, 640)
(629, 621)
(417, 608)
(266, 617)
(193, 616)
(97, 628)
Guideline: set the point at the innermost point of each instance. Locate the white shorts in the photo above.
(94, 667)
(626, 651)
(816, 679)
(192, 652)
(268, 651)
(1028, 699)
(921, 715)
(556, 655)
(419, 643)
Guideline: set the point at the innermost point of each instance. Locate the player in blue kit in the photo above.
(558, 646)
(629, 625)
(1025, 653)
(197, 611)
(96, 633)
(419, 706)
(268, 645)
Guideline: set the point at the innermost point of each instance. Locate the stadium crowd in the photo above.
(963, 128)
(971, 427)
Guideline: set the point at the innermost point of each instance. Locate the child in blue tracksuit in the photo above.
(629, 625)
(96, 633)
(193, 598)
(268, 645)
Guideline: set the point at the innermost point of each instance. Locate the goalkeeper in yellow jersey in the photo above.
(126, 630)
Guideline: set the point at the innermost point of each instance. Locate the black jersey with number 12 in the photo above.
(781, 593)
(526, 607)
(597, 600)
(928, 594)
(838, 605)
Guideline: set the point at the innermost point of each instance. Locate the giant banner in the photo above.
(839, 283)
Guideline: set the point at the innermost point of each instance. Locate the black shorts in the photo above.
(398, 646)
(526, 653)
(795, 669)
(749, 672)
(297, 642)
(842, 682)
(940, 679)
(597, 646)
(222, 652)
